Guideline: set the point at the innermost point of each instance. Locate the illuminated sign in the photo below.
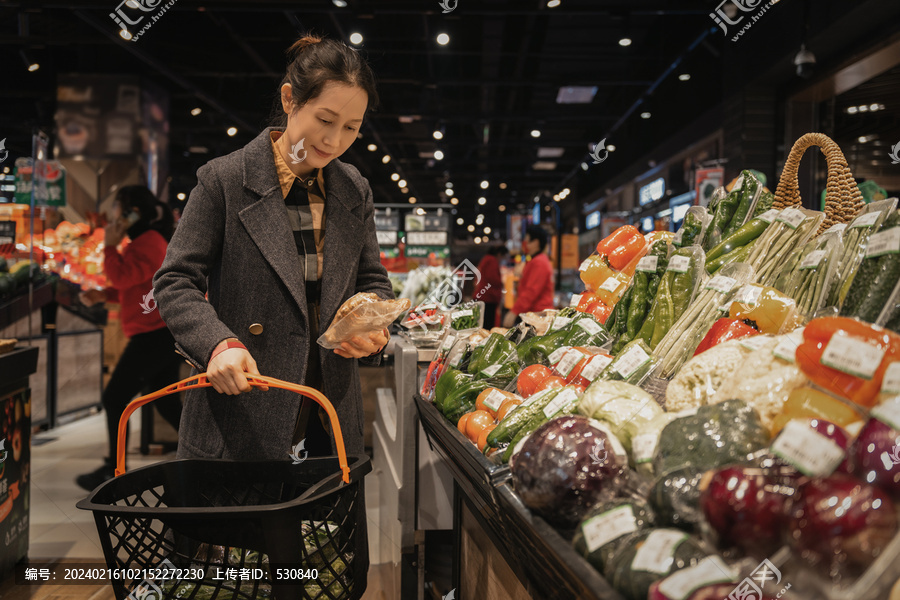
(593, 220)
(652, 191)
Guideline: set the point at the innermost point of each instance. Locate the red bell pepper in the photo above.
(599, 310)
(849, 374)
(726, 329)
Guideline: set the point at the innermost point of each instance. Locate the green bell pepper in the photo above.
(463, 399)
(494, 350)
(449, 382)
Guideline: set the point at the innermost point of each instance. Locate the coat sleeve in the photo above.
(180, 285)
(371, 276)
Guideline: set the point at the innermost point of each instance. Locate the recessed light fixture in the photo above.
(625, 42)
(611, 147)
(340, 3)
(584, 166)
(485, 184)
(438, 155)
(454, 201)
(482, 201)
(125, 34)
(645, 115)
(412, 200)
(386, 159)
(477, 240)
(471, 228)
(684, 77)
(402, 183)
(487, 229)
(449, 184)
(196, 111)
(372, 147)
(395, 177)
(501, 208)
(502, 186)
(356, 38)
(438, 134)
(556, 197)
(553, 3)
(460, 221)
(443, 39)
(181, 196)
(544, 165)
(535, 133)
(576, 94)
(232, 131)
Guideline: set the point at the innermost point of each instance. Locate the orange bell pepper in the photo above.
(626, 251)
(617, 238)
(595, 270)
(847, 357)
(809, 403)
(772, 311)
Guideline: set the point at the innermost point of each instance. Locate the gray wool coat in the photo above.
(235, 243)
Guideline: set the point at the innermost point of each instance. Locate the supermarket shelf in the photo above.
(18, 307)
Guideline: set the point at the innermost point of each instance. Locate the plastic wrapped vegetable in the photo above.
(736, 247)
(698, 381)
(360, 314)
(676, 290)
(790, 230)
(466, 316)
(810, 403)
(494, 351)
(565, 402)
(555, 475)
(449, 382)
(607, 524)
(724, 330)
(632, 365)
(645, 284)
(772, 311)
(875, 455)
(437, 367)
(622, 246)
(693, 228)
(675, 497)
(878, 273)
(808, 276)
(627, 408)
(766, 199)
(733, 210)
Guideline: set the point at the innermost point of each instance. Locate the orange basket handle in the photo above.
(200, 381)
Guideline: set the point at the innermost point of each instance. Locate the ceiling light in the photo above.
(372, 147)
(625, 42)
(340, 3)
(479, 219)
(471, 228)
(684, 77)
(579, 94)
(584, 166)
(482, 201)
(873, 107)
(460, 221)
(231, 131)
(550, 152)
(487, 229)
(502, 186)
(438, 155)
(386, 159)
(395, 177)
(356, 38)
(198, 149)
(645, 115)
(478, 240)
(553, 3)
(501, 208)
(852, 110)
(565, 192)
(544, 165)
(412, 199)
(449, 184)
(196, 111)
(454, 201)
(443, 39)
(419, 211)
(611, 147)
(181, 196)
(485, 184)
(556, 197)
(401, 183)
(124, 34)
(535, 133)
(438, 135)
(863, 108)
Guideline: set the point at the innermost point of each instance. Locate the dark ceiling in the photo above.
(496, 80)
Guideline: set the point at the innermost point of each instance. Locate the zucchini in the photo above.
(515, 420)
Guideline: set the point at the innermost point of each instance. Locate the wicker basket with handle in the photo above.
(842, 197)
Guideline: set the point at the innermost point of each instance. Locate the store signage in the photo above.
(387, 220)
(428, 252)
(426, 238)
(7, 232)
(437, 222)
(705, 182)
(536, 214)
(652, 192)
(386, 238)
(593, 220)
(53, 190)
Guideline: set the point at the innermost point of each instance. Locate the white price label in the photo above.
(631, 361)
(812, 260)
(595, 366)
(610, 285)
(837, 227)
(575, 301)
(568, 362)
(648, 264)
(491, 370)
(788, 344)
(386, 238)
(749, 295)
(866, 220)
(888, 412)
(562, 402)
(754, 342)
(709, 571)
(657, 553)
(557, 354)
(585, 264)
(494, 399)
(678, 237)
(611, 525)
(884, 242)
(891, 382)
(560, 322)
(811, 452)
(589, 325)
(448, 342)
(769, 216)
(852, 355)
(721, 284)
(463, 313)
(679, 264)
(643, 447)
(791, 217)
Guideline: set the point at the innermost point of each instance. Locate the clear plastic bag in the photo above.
(363, 313)
(677, 289)
(468, 316)
(701, 377)
(792, 228)
(808, 276)
(693, 228)
(734, 209)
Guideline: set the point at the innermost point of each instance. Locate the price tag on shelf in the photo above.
(791, 217)
(866, 220)
(788, 344)
(575, 301)
(852, 355)
(606, 527)
(721, 284)
(595, 366)
(754, 342)
(657, 553)
(709, 571)
(749, 295)
(589, 325)
(610, 285)
(568, 362)
(769, 216)
(585, 264)
(679, 264)
(812, 260)
(491, 370)
(678, 237)
(888, 412)
(563, 400)
(494, 399)
(648, 264)
(557, 354)
(560, 322)
(462, 313)
(805, 448)
(643, 447)
(891, 382)
(884, 242)
(631, 361)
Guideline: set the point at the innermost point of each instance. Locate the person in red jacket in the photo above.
(489, 289)
(148, 361)
(535, 291)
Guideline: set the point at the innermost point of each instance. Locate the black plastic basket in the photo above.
(289, 531)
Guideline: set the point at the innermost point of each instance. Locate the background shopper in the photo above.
(490, 288)
(535, 289)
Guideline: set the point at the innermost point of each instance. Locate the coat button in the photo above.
(256, 328)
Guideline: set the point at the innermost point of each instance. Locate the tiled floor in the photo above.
(61, 532)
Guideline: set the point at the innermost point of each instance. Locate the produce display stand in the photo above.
(544, 562)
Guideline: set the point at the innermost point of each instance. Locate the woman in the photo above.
(489, 288)
(535, 291)
(278, 235)
(148, 361)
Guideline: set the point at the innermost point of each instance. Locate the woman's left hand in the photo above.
(364, 345)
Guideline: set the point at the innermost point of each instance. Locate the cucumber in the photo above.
(515, 420)
(536, 421)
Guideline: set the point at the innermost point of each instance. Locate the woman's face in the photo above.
(327, 124)
(531, 246)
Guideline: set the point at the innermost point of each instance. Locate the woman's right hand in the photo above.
(227, 372)
(92, 297)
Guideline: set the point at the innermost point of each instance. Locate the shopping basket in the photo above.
(215, 529)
